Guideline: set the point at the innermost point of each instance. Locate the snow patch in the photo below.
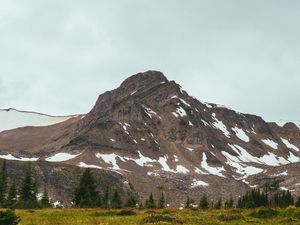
(241, 134)
(60, 157)
(199, 183)
(220, 125)
(84, 165)
(190, 149)
(165, 166)
(212, 170)
(180, 112)
(292, 158)
(109, 159)
(289, 145)
(270, 143)
(11, 157)
(182, 169)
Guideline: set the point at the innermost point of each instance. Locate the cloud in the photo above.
(58, 56)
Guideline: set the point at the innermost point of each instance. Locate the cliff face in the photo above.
(161, 139)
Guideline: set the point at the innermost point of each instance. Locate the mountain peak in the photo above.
(150, 77)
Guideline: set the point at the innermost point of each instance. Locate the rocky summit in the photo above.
(153, 135)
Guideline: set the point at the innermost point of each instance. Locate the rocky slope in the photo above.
(161, 139)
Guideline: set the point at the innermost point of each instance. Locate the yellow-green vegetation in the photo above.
(164, 216)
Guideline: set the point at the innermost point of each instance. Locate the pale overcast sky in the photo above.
(57, 56)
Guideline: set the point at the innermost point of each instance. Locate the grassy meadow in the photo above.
(166, 216)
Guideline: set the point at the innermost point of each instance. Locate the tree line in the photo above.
(24, 196)
(86, 195)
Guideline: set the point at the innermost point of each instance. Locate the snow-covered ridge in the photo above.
(13, 118)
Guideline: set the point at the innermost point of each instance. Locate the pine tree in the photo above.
(229, 203)
(218, 205)
(189, 202)
(162, 201)
(150, 203)
(85, 193)
(131, 202)
(12, 199)
(45, 201)
(116, 202)
(105, 203)
(3, 184)
(28, 191)
(297, 204)
(204, 204)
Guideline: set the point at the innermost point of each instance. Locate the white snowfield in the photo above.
(12, 119)
(199, 183)
(271, 143)
(289, 145)
(241, 134)
(220, 125)
(11, 157)
(84, 165)
(212, 170)
(61, 157)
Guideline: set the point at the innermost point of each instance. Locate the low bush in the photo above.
(126, 213)
(291, 213)
(160, 218)
(264, 213)
(230, 216)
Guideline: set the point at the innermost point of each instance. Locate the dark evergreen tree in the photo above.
(204, 204)
(253, 198)
(297, 203)
(218, 204)
(229, 203)
(116, 202)
(282, 199)
(105, 202)
(150, 203)
(12, 199)
(131, 202)
(9, 217)
(162, 201)
(85, 193)
(28, 191)
(3, 184)
(45, 201)
(189, 203)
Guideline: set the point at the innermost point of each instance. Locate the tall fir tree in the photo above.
(162, 201)
(3, 184)
(131, 202)
(150, 203)
(189, 202)
(12, 198)
(45, 201)
(116, 202)
(85, 193)
(218, 204)
(204, 204)
(105, 202)
(229, 203)
(28, 191)
(297, 203)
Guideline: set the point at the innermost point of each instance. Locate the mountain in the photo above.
(159, 138)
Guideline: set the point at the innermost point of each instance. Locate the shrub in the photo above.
(8, 218)
(264, 213)
(290, 212)
(161, 218)
(126, 213)
(230, 217)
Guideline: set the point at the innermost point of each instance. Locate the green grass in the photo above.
(158, 217)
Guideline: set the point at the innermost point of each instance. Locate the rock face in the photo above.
(161, 139)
